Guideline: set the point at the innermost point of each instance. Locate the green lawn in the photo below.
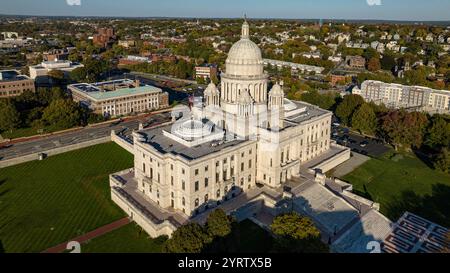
(128, 239)
(44, 203)
(403, 182)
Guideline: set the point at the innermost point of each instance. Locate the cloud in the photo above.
(73, 2)
(374, 2)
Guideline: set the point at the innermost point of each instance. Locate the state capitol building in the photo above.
(240, 138)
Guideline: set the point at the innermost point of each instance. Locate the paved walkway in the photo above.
(90, 235)
(350, 165)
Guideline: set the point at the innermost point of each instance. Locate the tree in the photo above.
(57, 75)
(201, 80)
(61, 114)
(9, 116)
(374, 65)
(442, 161)
(371, 53)
(189, 238)
(388, 62)
(364, 119)
(324, 101)
(402, 128)
(218, 224)
(79, 74)
(438, 133)
(347, 107)
(297, 234)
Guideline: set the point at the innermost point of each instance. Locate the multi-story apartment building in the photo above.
(104, 37)
(207, 71)
(402, 96)
(119, 97)
(13, 84)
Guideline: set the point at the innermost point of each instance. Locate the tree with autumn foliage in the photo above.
(374, 64)
(403, 129)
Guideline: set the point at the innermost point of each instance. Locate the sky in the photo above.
(412, 10)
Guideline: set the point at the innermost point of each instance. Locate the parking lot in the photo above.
(358, 144)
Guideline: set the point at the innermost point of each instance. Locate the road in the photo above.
(79, 136)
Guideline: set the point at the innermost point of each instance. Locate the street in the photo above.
(79, 136)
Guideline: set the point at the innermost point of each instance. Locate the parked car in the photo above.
(363, 144)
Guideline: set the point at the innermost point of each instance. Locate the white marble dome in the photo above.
(244, 51)
(245, 57)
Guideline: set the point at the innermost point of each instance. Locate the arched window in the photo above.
(197, 202)
(242, 181)
(183, 201)
(218, 193)
(206, 198)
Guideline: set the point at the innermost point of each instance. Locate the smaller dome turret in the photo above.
(212, 95)
(245, 104)
(276, 96)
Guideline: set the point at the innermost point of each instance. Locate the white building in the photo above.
(41, 70)
(216, 152)
(119, 97)
(402, 96)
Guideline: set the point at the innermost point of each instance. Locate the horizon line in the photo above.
(229, 18)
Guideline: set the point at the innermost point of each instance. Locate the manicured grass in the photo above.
(403, 182)
(44, 203)
(128, 239)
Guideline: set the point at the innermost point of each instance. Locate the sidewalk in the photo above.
(90, 235)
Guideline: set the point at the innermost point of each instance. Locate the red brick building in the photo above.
(105, 37)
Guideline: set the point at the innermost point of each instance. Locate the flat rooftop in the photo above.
(123, 88)
(11, 75)
(303, 112)
(165, 145)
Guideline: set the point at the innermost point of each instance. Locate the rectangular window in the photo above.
(196, 171)
(206, 182)
(196, 185)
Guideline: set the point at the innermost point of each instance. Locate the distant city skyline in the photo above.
(402, 10)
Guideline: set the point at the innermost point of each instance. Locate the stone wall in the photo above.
(122, 142)
(153, 229)
(334, 161)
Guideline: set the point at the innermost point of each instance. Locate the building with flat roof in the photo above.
(41, 70)
(119, 97)
(206, 71)
(105, 37)
(301, 68)
(13, 84)
(394, 95)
